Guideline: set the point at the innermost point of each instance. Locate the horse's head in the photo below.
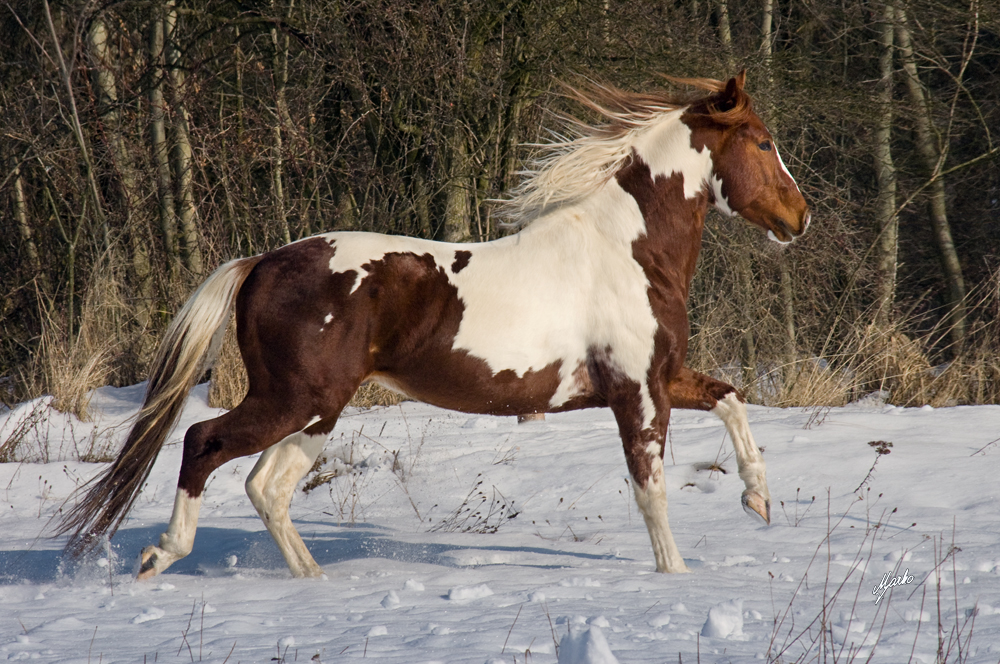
(748, 175)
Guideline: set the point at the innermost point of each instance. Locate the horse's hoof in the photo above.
(147, 564)
(755, 504)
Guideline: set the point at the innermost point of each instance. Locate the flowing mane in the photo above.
(584, 156)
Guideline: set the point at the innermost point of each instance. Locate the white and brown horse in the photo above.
(584, 307)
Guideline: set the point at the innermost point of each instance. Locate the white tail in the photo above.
(188, 349)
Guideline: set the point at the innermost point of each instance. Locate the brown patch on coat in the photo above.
(461, 260)
(624, 397)
(414, 318)
(667, 253)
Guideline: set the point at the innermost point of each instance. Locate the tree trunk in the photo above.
(766, 23)
(930, 154)
(788, 311)
(725, 32)
(279, 70)
(27, 235)
(158, 138)
(885, 205)
(787, 292)
(456, 221)
(183, 161)
(748, 345)
(77, 128)
(106, 90)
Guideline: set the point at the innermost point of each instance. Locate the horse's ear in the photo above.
(729, 98)
(736, 83)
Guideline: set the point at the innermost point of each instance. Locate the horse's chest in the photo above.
(532, 318)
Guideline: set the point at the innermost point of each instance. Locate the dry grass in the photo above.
(904, 368)
(834, 633)
(371, 395)
(229, 377)
(102, 348)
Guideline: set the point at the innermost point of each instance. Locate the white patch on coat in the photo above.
(721, 201)
(652, 502)
(666, 147)
(270, 486)
(564, 284)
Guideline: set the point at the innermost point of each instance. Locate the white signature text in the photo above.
(888, 582)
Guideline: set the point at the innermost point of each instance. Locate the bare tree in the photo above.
(885, 205)
(182, 158)
(933, 156)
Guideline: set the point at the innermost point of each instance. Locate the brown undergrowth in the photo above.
(106, 344)
(894, 363)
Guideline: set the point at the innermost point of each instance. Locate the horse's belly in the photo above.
(466, 383)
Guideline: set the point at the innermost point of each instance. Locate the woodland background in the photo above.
(142, 143)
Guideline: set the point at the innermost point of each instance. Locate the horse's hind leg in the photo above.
(249, 428)
(271, 484)
(690, 389)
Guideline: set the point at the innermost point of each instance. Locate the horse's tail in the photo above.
(188, 349)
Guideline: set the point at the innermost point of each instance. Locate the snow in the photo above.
(586, 647)
(725, 620)
(567, 576)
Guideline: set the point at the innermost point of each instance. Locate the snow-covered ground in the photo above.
(574, 567)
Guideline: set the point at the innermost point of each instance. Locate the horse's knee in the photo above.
(650, 488)
(255, 490)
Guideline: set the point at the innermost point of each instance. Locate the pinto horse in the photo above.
(584, 307)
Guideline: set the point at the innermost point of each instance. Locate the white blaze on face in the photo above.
(783, 167)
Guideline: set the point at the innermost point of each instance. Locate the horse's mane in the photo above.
(584, 156)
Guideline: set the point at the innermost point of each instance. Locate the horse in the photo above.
(584, 306)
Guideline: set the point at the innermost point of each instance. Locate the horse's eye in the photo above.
(765, 146)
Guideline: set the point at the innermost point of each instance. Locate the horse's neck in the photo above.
(669, 252)
(673, 208)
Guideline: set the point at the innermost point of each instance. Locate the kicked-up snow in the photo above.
(447, 537)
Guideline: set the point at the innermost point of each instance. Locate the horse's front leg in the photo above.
(690, 389)
(645, 465)
(642, 415)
